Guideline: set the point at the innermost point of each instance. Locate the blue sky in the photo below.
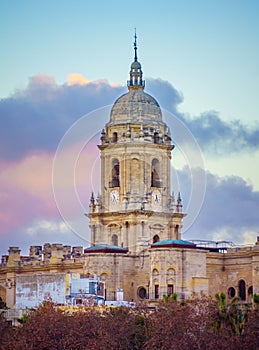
(200, 60)
(208, 49)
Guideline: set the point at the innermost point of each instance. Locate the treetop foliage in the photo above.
(196, 324)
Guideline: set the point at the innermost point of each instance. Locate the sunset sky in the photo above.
(63, 60)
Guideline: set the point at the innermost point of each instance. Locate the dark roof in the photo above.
(174, 243)
(106, 248)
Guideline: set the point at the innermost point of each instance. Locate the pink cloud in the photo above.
(17, 207)
(26, 186)
(25, 191)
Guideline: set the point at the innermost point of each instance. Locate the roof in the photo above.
(106, 248)
(136, 106)
(174, 243)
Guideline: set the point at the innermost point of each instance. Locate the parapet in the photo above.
(48, 254)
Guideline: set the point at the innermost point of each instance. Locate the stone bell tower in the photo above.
(135, 207)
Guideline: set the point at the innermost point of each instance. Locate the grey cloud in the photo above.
(37, 117)
(213, 134)
(166, 94)
(217, 136)
(230, 205)
(22, 239)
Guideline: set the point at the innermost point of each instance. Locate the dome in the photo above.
(135, 65)
(136, 106)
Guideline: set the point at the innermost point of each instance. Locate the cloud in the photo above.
(167, 95)
(38, 232)
(77, 79)
(217, 136)
(25, 192)
(36, 118)
(214, 135)
(230, 210)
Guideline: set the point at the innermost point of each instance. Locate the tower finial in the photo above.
(135, 46)
(136, 81)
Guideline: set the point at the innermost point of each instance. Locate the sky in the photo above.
(63, 60)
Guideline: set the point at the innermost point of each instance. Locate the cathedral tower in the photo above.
(135, 207)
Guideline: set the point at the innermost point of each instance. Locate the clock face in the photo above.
(114, 197)
(156, 197)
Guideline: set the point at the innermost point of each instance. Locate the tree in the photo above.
(233, 315)
(173, 326)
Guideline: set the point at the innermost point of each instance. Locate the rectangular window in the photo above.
(170, 289)
(156, 291)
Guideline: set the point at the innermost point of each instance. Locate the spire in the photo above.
(179, 203)
(135, 46)
(136, 81)
(92, 203)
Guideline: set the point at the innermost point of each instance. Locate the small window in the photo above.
(156, 137)
(142, 293)
(170, 289)
(231, 292)
(155, 174)
(156, 291)
(115, 182)
(156, 239)
(115, 137)
(242, 290)
(176, 231)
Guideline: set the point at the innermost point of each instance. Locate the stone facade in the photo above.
(136, 221)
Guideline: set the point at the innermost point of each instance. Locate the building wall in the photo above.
(54, 258)
(226, 270)
(191, 272)
(33, 289)
(185, 269)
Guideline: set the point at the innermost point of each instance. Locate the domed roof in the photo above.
(136, 106)
(135, 65)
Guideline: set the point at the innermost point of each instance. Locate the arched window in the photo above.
(115, 182)
(114, 240)
(242, 290)
(115, 137)
(156, 137)
(156, 291)
(156, 239)
(155, 174)
(142, 293)
(176, 231)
